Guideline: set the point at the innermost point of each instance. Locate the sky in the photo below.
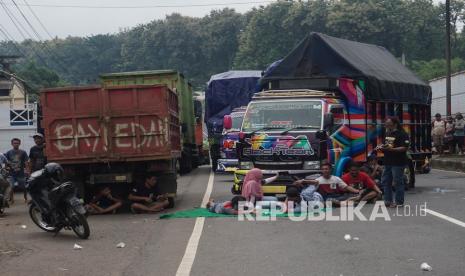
(81, 21)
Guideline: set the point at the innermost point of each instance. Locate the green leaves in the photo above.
(225, 40)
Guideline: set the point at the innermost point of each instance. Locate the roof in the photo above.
(320, 55)
(139, 73)
(237, 74)
(452, 75)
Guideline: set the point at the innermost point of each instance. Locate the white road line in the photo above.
(444, 217)
(191, 249)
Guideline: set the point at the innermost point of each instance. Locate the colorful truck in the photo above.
(327, 101)
(226, 91)
(231, 127)
(177, 82)
(113, 135)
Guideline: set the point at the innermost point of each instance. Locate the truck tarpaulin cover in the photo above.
(227, 91)
(320, 55)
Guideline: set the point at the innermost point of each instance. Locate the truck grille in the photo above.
(279, 165)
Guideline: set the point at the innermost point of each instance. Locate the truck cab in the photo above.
(230, 136)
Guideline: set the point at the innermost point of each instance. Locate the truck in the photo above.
(200, 129)
(178, 83)
(113, 135)
(326, 101)
(231, 127)
(226, 91)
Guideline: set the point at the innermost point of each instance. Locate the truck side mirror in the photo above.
(328, 120)
(227, 122)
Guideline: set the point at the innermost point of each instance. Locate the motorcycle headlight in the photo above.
(246, 165)
(311, 165)
(223, 155)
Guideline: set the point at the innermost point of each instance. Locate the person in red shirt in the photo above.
(361, 181)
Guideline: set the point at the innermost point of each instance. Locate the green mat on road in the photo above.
(203, 212)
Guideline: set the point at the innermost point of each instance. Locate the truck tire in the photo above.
(186, 162)
(168, 185)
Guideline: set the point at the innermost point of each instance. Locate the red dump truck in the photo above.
(113, 136)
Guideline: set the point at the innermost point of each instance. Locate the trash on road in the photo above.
(347, 237)
(23, 226)
(63, 269)
(356, 238)
(426, 267)
(77, 247)
(121, 245)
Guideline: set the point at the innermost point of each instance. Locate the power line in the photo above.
(10, 38)
(38, 20)
(44, 47)
(27, 21)
(12, 18)
(144, 6)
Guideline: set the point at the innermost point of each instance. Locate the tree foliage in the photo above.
(225, 40)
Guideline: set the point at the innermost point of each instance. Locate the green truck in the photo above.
(178, 83)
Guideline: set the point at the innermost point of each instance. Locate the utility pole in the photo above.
(448, 69)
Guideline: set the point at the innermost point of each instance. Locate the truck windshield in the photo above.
(283, 114)
(237, 120)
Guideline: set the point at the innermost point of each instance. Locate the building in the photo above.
(18, 117)
(438, 87)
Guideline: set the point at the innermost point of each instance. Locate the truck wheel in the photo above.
(186, 162)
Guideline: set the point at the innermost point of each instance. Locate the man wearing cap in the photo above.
(37, 157)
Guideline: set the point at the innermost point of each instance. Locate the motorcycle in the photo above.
(69, 212)
(4, 189)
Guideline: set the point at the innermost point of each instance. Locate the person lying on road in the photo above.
(146, 197)
(363, 182)
(103, 203)
(228, 207)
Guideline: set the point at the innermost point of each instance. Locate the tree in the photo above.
(37, 78)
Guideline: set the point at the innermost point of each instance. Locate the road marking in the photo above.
(444, 217)
(191, 249)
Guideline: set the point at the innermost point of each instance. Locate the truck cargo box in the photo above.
(94, 124)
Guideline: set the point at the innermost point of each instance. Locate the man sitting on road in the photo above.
(331, 187)
(361, 181)
(104, 203)
(146, 197)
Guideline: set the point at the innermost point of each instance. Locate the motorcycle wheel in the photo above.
(80, 226)
(36, 216)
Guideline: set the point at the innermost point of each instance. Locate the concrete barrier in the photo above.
(456, 164)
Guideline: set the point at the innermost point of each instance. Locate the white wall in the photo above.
(438, 88)
(8, 132)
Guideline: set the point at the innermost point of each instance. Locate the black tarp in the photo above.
(323, 56)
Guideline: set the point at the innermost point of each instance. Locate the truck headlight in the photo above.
(246, 165)
(311, 165)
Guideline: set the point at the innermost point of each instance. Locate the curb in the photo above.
(448, 165)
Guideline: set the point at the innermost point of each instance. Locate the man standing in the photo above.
(18, 161)
(4, 185)
(395, 159)
(37, 157)
(438, 132)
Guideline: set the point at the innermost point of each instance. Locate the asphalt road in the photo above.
(229, 247)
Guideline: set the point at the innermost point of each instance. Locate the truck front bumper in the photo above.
(227, 165)
(274, 188)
